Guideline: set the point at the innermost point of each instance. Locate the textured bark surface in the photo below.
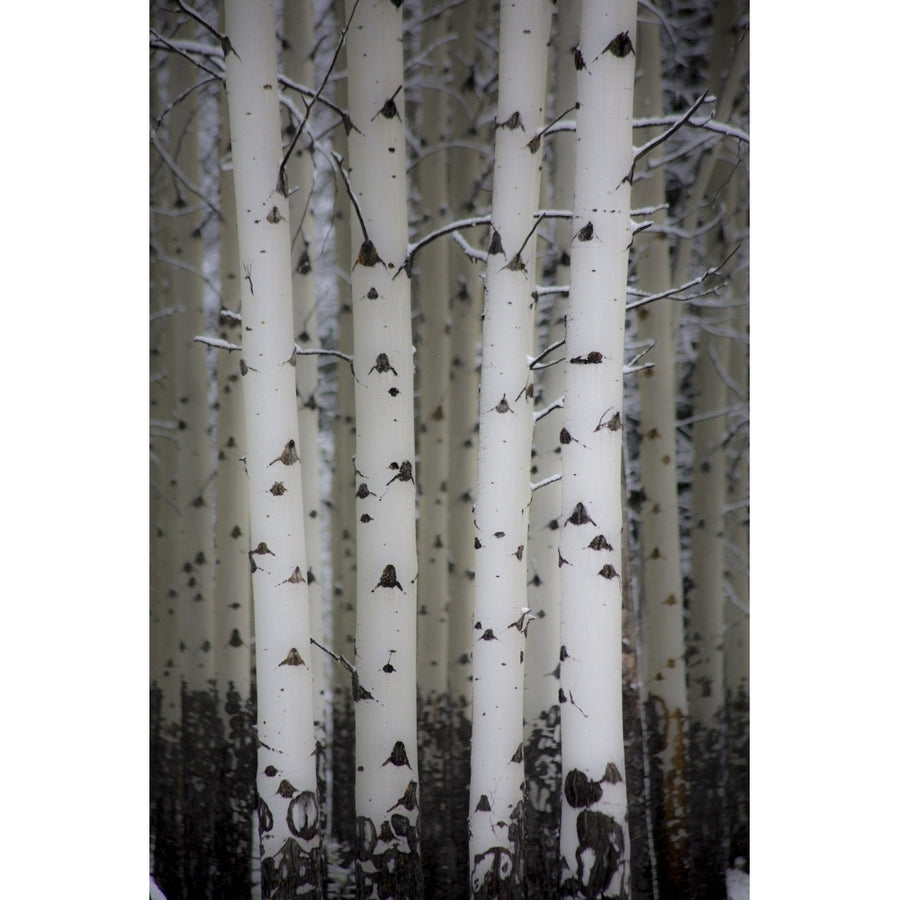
(496, 795)
(388, 846)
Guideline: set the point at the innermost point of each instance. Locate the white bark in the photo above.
(433, 354)
(286, 780)
(343, 505)
(496, 800)
(387, 779)
(298, 65)
(594, 841)
(660, 576)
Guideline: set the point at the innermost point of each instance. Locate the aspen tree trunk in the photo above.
(236, 799)
(165, 755)
(737, 606)
(496, 797)
(193, 465)
(662, 598)
(594, 840)
(288, 809)
(388, 861)
(434, 370)
(466, 304)
(542, 722)
(298, 65)
(707, 597)
(343, 508)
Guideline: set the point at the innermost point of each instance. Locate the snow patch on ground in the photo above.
(738, 884)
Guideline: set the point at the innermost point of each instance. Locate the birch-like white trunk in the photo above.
(466, 305)
(662, 599)
(496, 795)
(343, 505)
(288, 809)
(388, 861)
(194, 492)
(298, 65)
(433, 354)
(594, 841)
(233, 628)
(542, 707)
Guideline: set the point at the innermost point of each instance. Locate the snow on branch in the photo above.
(217, 343)
(694, 282)
(544, 482)
(558, 403)
(468, 249)
(450, 228)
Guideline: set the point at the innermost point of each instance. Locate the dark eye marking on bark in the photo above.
(286, 789)
(579, 58)
(235, 640)
(620, 45)
(398, 756)
(382, 364)
(266, 820)
(389, 579)
(519, 551)
(292, 659)
(499, 534)
(483, 805)
(274, 216)
(288, 455)
(303, 815)
(608, 572)
(586, 233)
(477, 544)
(387, 667)
(513, 122)
(394, 391)
(496, 245)
(488, 635)
(389, 109)
(270, 771)
(365, 518)
(404, 471)
(304, 264)
(614, 424)
(600, 543)
(372, 294)
(562, 560)
(368, 255)
(408, 800)
(277, 489)
(595, 357)
(580, 516)
(296, 577)
(363, 491)
(503, 406)
(580, 791)
(518, 756)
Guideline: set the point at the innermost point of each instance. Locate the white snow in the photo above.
(738, 884)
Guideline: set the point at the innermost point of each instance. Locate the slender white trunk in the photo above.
(466, 305)
(433, 351)
(343, 505)
(387, 780)
(662, 597)
(594, 841)
(542, 708)
(288, 808)
(298, 65)
(234, 609)
(496, 797)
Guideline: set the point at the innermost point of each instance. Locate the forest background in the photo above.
(74, 452)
